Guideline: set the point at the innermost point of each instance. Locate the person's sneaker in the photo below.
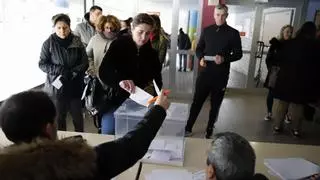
(187, 134)
(287, 119)
(268, 117)
(296, 133)
(277, 130)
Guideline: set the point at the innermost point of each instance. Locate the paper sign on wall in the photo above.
(213, 2)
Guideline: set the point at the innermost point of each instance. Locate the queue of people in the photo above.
(124, 55)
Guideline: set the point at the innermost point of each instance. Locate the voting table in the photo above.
(196, 153)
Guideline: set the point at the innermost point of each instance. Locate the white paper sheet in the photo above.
(158, 144)
(141, 97)
(178, 174)
(57, 82)
(156, 87)
(209, 58)
(175, 149)
(200, 175)
(292, 168)
(159, 155)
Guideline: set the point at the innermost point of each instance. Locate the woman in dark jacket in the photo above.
(132, 61)
(272, 64)
(297, 79)
(63, 58)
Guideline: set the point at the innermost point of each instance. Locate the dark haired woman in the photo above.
(132, 61)
(64, 59)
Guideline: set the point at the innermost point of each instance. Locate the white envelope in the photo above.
(140, 96)
(57, 82)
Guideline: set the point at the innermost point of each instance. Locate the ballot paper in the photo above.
(156, 87)
(160, 155)
(57, 82)
(167, 174)
(292, 168)
(157, 144)
(199, 175)
(140, 96)
(209, 58)
(175, 174)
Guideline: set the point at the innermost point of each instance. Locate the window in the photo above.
(24, 26)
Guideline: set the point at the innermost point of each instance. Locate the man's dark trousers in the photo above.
(207, 84)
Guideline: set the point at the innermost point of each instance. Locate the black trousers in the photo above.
(74, 106)
(204, 87)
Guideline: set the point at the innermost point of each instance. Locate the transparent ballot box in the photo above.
(168, 145)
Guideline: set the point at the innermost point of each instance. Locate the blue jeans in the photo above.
(108, 123)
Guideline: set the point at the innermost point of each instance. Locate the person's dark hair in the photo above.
(157, 21)
(128, 21)
(308, 30)
(61, 17)
(232, 156)
(23, 116)
(93, 8)
(181, 31)
(143, 18)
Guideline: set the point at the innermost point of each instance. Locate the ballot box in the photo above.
(169, 144)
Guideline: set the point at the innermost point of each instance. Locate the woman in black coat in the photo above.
(132, 61)
(272, 64)
(64, 59)
(297, 79)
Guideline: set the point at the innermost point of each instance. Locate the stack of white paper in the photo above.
(169, 175)
(175, 174)
(292, 168)
(165, 150)
(200, 175)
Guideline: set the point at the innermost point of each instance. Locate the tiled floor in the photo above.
(243, 114)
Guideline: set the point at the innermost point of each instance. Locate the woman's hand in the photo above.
(162, 99)
(128, 85)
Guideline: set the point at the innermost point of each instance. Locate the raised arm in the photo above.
(117, 156)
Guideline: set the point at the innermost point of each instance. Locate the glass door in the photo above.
(257, 25)
(175, 15)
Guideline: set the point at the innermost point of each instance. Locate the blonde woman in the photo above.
(285, 34)
(107, 27)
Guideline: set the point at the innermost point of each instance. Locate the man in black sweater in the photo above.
(219, 45)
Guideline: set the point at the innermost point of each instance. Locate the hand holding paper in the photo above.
(203, 63)
(219, 59)
(162, 99)
(128, 85)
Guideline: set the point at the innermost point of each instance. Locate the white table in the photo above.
(196, 153)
